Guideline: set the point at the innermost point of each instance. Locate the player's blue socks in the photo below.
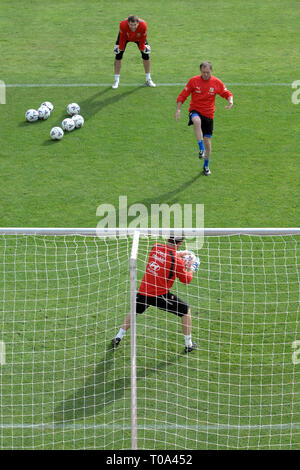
(206, 163)
(201, 145)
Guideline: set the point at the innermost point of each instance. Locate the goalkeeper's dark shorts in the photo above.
(120, 55)
(207, 124)
(168, 302)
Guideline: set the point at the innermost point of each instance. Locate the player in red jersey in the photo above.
(133, 29)
(203, 90)
(164, 265)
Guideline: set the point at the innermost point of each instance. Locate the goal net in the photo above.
(64, 295)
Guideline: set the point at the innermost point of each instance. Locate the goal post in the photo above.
(133, 281)
(64, 294)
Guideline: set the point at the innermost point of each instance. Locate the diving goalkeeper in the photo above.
(165, 264)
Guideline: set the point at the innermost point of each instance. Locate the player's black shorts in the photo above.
(120, 55)
(168, 302)
(207, 124)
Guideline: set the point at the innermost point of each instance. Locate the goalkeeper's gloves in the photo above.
(196, 264)
(147, 50)
(116, 49)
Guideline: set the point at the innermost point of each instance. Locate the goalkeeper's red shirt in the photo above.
(164, 266)
(139, 35)
(203, 94)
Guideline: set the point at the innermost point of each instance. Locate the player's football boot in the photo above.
(150, 83)
(190, 348)
(116, 341)
(201, 154)
(115, 84)
(206, 171)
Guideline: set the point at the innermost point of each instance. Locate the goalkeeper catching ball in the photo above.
(165, 264)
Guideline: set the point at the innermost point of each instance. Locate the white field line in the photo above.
(74, 85)
(155, 427)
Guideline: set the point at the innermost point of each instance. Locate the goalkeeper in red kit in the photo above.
(133, 29)
(203, 90)
(165, 264)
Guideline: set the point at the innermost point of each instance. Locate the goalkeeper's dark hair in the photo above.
(132, 18)
(206, 64)
(175, 240)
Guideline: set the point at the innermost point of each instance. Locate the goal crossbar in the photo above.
(127, 231)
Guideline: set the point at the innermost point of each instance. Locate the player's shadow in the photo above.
(101, 389)
(95, 103)
(169, 197)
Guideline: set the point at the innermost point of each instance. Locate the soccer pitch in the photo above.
(62, 386)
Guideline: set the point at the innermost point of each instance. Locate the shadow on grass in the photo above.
(91, 106)
(95, 103)
(100, 389)
(171, 196)
(168, 197)
(33, 123)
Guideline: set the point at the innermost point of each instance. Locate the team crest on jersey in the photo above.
(154, 267)
(211, 90)
(138, 35)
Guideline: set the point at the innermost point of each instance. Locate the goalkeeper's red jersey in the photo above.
(164, 266)
(139, 35)
(203, 94)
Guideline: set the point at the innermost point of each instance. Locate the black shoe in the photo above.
(190, 348)
(201, 154)
(116, 341)
(206, 171)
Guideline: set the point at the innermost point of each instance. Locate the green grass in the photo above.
(58, 371)
(130, 144)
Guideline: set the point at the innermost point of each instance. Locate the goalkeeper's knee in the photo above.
(145, 53)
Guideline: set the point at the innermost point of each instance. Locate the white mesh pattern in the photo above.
(63, 298)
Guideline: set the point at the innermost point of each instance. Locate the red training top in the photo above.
(164, 265)
(204, 94)
(140, 34)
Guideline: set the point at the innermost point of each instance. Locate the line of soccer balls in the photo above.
(68, 124)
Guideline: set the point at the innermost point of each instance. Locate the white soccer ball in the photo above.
(43, 112)
(73, 108)
(68, 124)
(79, 121)
(56, 133)
(49, 105)
(31, 115)
(189, 259)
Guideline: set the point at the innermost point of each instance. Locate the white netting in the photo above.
(63, 298)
